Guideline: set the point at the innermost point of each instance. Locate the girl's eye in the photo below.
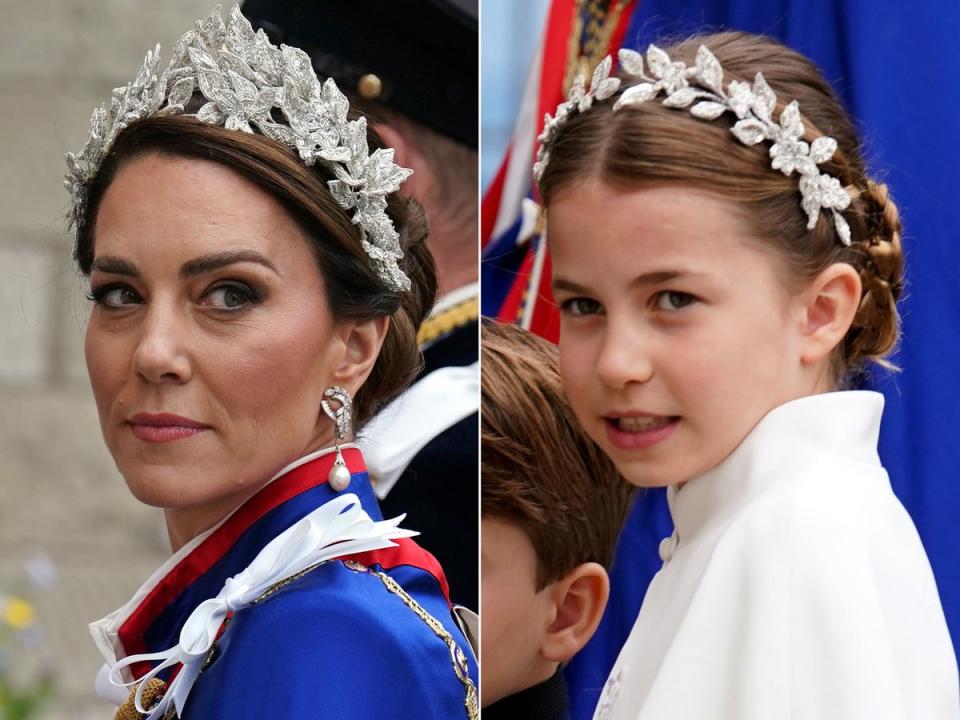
(671, 301)
(230, 296)
(580, 306)
(115, 296)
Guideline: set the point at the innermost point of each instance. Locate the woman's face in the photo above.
(211, 341)
(677, 333)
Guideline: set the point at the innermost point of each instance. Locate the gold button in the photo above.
(369, 86)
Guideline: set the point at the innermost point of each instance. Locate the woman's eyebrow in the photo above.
(207, 263)
(115, 266)
(214, 261)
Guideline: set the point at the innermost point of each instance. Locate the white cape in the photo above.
(795, 586)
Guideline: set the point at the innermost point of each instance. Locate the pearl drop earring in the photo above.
(339, 477)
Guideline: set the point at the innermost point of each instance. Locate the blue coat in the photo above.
(352, 638)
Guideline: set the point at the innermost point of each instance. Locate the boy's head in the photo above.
(552, 505)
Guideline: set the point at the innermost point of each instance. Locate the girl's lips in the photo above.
(637, 439)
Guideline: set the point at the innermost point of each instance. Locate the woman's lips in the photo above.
(164, 427)
(637, 432)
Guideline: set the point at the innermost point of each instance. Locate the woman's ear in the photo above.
(579, 599)
(829, 304)
(362, 340)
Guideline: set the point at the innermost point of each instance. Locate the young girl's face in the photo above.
(678, 333)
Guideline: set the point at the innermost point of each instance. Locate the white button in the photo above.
(668, 546)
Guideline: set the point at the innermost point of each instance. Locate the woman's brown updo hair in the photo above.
(353, 288)
(654, 144)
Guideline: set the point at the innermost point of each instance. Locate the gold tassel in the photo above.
(153, 692)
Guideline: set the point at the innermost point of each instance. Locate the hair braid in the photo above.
(875, 326)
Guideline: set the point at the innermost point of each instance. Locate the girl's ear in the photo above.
(362, 340)
(579, 599)
(828, 306)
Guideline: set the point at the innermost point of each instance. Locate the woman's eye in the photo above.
(115, 296)
(580, 306)
(672, 301)
(230, 296)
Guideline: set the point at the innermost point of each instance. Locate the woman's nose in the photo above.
(625, 357)
(160, 355)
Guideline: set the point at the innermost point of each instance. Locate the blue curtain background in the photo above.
(897, 66)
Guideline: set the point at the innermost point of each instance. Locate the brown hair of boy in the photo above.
(538, 468)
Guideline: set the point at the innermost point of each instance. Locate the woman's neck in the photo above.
(184, 524)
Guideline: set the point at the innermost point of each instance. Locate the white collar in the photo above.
(455, 297)
(105, 631)
(844, 425)
(336, 529)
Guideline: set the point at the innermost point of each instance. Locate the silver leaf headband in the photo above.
(244, 77)
(753, 107)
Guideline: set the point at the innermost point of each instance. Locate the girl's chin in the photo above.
(648, 480)
(649, 473)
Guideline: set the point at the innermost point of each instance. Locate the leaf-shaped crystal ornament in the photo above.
(700, 88)
(253, 86)
(631, 61)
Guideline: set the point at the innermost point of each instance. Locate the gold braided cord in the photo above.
(573, 47)
(590, 39)
(471, 701)
(449, 320)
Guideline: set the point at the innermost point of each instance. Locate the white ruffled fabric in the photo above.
(338, 528)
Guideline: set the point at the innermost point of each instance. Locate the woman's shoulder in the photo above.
(340, 636)
(406, 614)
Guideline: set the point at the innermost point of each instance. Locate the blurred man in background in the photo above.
(419, 88)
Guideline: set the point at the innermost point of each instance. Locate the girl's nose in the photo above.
(625, 358)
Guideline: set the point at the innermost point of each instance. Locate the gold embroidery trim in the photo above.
(450, 319)
(471, 700)
(593, 36)
(277, 587)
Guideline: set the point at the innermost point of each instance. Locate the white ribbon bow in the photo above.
(340, 527)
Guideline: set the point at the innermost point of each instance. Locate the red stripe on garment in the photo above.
(512, 304)
(490, 207)
(559, 26)
(545, 320)
(407, 552)
(209, 552)
(616, 37)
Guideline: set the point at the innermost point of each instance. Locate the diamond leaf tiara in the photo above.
(244, 78)
(700, 88)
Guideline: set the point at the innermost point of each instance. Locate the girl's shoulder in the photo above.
(835, 526)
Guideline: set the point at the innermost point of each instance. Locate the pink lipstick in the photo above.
(164, 427)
